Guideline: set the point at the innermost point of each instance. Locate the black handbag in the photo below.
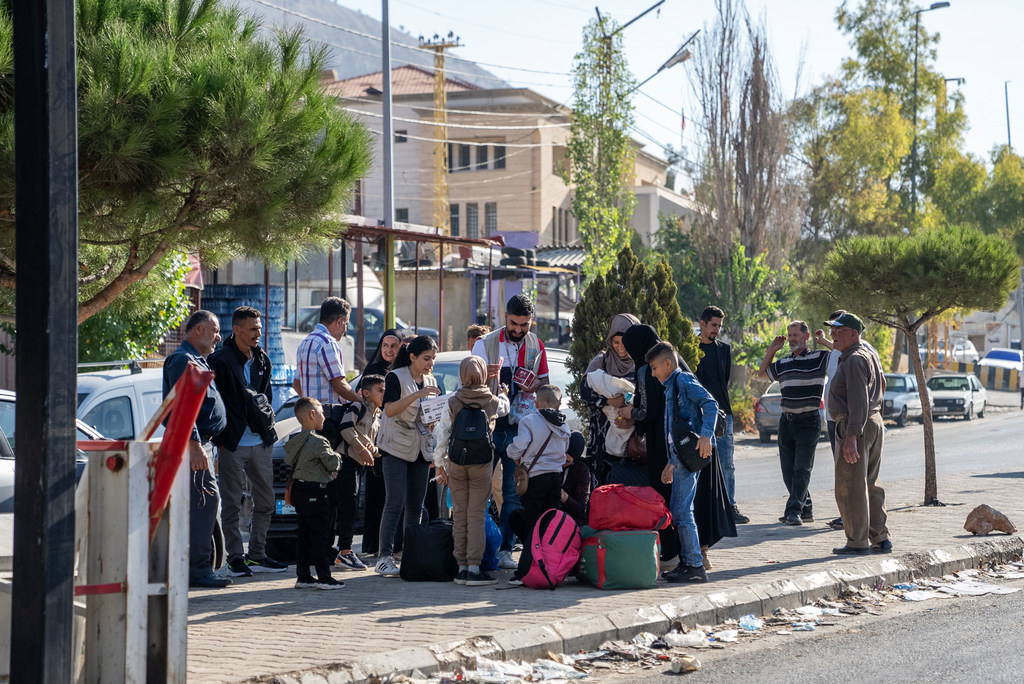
(259, 412)
(685, 441)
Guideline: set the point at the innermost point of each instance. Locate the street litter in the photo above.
(803, 626)
(685, 664)
(751, 623)
(694, 639)
(783, 632)
(645, 639)
(727, 636)
(974, 588)
(919, 595)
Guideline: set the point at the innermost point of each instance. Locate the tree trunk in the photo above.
(897, 350)
(931, 487)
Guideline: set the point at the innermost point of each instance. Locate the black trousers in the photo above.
(544, 492)
(798, 438)
(313, 541)
(343, 493)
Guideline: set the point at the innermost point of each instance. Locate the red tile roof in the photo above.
(405, 80)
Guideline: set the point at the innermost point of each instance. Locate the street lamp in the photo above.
(680, 56)
(913, 151)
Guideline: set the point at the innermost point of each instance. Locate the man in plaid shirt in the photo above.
(319, 372)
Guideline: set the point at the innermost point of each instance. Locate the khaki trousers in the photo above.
(859, 494)
(470, 487)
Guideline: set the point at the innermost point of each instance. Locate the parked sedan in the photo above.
(1004, 358)
(768, 410)
(957, 394)
(902, 399)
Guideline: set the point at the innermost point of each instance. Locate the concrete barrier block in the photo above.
(585, 633)
(528, 643)
(400, 661)
(778, 594)
(734, 604)
(464, 652)
(631, 621)
(816, 585)
(689, 611)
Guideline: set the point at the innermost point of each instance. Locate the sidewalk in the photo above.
(262, 626)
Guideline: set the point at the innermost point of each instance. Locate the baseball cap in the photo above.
(847, 320)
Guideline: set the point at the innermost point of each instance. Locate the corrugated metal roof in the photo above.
(563, 257)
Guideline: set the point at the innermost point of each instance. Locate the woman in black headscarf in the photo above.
(615, 361)
(379, 364)
(648, 416)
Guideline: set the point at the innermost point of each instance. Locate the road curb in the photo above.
(588, 633)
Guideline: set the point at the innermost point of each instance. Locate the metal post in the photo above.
(360, 317)
(416, 295)
(266, 300)
(330, 271)
(296, 295)
(913, 149)
(344, 271)
(46, 196)
(1006, 98)
(440, 301)
(388, 141)
(490, 285)
(558, 307)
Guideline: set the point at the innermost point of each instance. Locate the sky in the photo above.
(978, 42)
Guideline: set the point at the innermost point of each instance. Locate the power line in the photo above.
(491, 28)
(482, 127)
(476, 144)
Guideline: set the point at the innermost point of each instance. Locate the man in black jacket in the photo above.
(244, 447)
(713, 372)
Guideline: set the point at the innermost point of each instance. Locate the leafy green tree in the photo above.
(905, 281)
(600, 154)
(675, 245)
(134, 325)
(198, 133)
(628, 287)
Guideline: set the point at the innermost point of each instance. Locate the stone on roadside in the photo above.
(985, 519)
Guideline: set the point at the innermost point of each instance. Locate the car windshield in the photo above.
(895, 384)
(1004, 355)
(941, 384)
(773, 388)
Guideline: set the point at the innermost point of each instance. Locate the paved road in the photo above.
(932, 641)
(989, 443)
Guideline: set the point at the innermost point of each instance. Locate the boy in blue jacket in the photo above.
(686, 401)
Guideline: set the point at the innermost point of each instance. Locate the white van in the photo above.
(119, 403)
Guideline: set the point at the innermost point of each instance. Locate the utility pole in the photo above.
(442, 213)
(1006, 98)
(388, 141)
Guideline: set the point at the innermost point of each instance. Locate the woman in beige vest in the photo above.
(404, 443)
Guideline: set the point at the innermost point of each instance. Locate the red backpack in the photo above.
(556, 545)
(617, 507)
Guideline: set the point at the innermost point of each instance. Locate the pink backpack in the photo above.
(556, 546)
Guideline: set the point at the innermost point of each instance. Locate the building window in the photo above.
(560, 232)
(453, 219)
(451, 157)
(472, 220)
(400, 136)
(481, 158)
(465, 163)
(554, 223)
(490, 218)
(402, 215)
(499, 156)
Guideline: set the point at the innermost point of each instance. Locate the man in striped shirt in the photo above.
(801, 376)
(319, 372)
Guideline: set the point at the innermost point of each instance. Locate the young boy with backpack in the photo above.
(540, 446)
(463, 454)
(314, 463)
(357, 423)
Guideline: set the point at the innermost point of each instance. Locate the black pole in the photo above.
(46, 196)
(913, 150)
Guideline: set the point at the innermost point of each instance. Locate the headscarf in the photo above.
(639, 339)
(608, 360)
(377, 365)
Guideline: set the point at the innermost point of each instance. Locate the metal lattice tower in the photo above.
(442, 216)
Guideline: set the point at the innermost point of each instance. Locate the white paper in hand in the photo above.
(433, 407)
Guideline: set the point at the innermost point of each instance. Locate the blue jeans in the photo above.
(405, 485)
(510, 499)
(684, 488)
(725, 448)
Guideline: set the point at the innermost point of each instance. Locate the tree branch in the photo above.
(129, 275)
(85, 280)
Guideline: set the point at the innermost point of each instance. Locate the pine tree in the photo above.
(628, 287)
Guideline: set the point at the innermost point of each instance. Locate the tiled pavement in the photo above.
(262, 625)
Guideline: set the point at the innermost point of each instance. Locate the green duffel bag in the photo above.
(623, 559)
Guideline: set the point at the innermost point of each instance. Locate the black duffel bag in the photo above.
(428, 553)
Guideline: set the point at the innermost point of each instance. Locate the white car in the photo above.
(119, 403)
(958, 394)
(1001, 357)
(902, 399)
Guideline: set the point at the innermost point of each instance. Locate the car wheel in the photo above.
(764, 437)
(969, 413)
(981, 413)
(901, 420)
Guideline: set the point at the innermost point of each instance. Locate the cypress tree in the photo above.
(628, 287)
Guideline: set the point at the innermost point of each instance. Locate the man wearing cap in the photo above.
(855, 404)
(801, 377)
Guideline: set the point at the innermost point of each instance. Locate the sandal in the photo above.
(835, 524)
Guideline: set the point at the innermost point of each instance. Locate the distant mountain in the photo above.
(354, 55)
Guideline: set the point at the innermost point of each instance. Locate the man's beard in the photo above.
(796, 349)
(514, 337)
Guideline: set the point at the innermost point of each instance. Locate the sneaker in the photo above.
(265, 564)
(350, 561)
(793, 519)
(329, 583)
(305, 583)
(237, 567)
(479, 579)
(807, 517)
(506, 561)
(210, 581)
(685, 573)
(386, 567)
(460, 578)
(515, 582)
(739, 517)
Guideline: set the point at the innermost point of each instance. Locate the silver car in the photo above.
(902, 400)
(768, 410)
